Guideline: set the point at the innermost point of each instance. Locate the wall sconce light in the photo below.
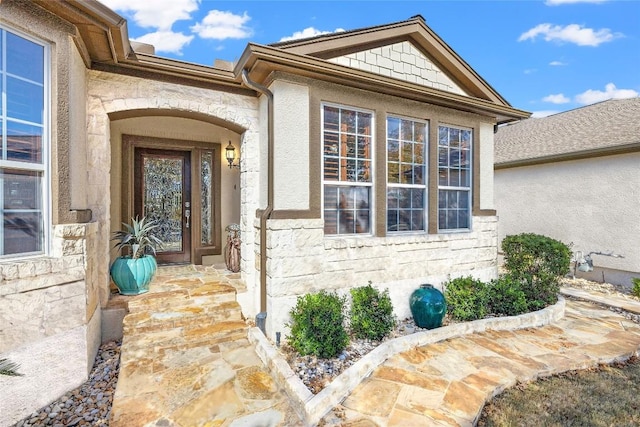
(230, 154)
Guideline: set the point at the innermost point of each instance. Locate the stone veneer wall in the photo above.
(301, 260)
(49, 321)
(401, 61)
(110, 94)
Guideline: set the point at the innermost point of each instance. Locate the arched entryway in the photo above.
(172, 169)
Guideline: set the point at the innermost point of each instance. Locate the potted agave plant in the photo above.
(132, 272)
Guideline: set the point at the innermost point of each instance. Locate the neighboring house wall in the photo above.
(401, 61)
(302, 259)
(591, 203)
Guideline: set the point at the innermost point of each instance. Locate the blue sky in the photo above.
(543, 56)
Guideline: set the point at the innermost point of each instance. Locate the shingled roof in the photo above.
(607, 127)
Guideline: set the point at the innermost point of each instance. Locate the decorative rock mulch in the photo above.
(316, 373)
(89, 404)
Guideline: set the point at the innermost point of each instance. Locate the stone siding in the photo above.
(43, 296)
(401, 61)
(110, 94)
(49, 317)
(301, 260)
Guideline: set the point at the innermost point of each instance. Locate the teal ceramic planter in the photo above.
(428, 307)
(132, 276)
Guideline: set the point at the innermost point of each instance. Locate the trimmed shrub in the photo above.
(538, 262)
(371, 315)
(317, 325)
(466, 298)
(636, 287)
(506, 297)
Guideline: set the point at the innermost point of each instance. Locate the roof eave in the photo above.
(262, 60)
(563, 157)
(415, 29)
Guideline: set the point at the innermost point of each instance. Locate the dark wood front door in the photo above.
(163, 194)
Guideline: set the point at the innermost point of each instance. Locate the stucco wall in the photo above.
(592, 203)
(301, 260)
(291, 133)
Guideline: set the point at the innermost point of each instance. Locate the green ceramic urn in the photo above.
(132, 276)
(428, 307)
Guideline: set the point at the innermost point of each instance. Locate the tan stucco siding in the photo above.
(485, 133)
(78, 133)
(592, 203)
(402, 61)
(291, 134)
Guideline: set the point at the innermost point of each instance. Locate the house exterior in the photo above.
(574, 176)
(363, 156)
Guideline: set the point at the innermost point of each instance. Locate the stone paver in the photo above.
(186, 359)
(448, 383)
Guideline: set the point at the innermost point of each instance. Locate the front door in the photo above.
(163, 194)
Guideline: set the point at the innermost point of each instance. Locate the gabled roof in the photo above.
(414, 30)
(103, 42)
(608, 127)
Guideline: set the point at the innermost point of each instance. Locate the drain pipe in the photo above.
(266, 213)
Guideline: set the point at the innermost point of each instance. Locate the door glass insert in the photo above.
(206, 168)
(162, 199)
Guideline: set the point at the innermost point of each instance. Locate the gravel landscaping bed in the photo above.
(316, 373)
(89, 404)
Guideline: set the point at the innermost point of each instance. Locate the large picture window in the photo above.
(23, 80)
(347, 161)
(454, 178)
(406, 174)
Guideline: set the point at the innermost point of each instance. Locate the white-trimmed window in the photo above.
(347, 170)
(23, 135)
(454, 178)
(406, 174)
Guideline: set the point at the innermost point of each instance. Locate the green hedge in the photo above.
(537, 262)
(371, 315)
(317, 325)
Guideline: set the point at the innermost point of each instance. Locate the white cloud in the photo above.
(166, 41)
(308, 32)
(557, 63)
(221, 25)
(572, 33)
(610, 92)
(160, 14)
(560, 2)
(558, 98)
(530, 71)
(543, 113)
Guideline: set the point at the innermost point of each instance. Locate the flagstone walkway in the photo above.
(186, 361)
(448, 383)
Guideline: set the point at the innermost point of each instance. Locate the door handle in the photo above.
(187, 213)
